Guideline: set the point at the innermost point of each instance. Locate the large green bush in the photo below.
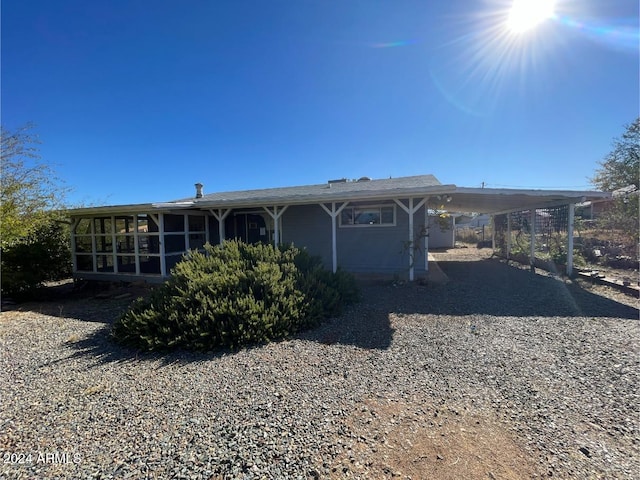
(235, 294)
(41, 256)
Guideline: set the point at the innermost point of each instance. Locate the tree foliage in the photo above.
(30, 191)
(41, 256)
(621, 167)
(34, 241)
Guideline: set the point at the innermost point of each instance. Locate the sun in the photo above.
(526, 14)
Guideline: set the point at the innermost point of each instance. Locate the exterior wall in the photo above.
(442, 238)
(367, 249)
(134, 246)
(381, 249)
(308, 226)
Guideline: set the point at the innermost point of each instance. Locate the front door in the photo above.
(248, 227)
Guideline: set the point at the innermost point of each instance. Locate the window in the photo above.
(366, 215)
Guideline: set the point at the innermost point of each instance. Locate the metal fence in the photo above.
(549, 228)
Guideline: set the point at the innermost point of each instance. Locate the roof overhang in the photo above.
(328, 197)
(495, 201)
(451, 199)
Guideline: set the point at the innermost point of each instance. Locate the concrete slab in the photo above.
(435, 273)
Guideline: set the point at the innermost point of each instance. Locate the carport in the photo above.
(523, 204)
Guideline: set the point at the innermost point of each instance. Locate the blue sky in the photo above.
(137, 100)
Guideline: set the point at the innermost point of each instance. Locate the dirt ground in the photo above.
(453, 444)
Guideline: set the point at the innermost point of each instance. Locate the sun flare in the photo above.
(526, 14)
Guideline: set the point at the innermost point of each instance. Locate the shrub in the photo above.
(233, 295)
(41, 256)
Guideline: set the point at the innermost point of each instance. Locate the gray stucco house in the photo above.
(372, 226)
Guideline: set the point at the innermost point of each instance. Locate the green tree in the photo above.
(30, 192)
(34, 240)
(621, 167)
(618, 170)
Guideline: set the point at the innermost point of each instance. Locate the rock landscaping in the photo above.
(498, 373)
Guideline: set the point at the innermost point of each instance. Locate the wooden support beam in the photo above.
(276, 215)
(220, 216)
(333, 213)
(94, 245)
(532, 230)
(508, 235)
(114, 245)
(74, 259)
(163, 259)
(426, 236)
(570, 239)
(136, 247)
(411, 210)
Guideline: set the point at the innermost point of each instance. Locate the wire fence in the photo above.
(549, 226)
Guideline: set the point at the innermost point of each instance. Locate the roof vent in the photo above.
(364, 179)
(199, 190)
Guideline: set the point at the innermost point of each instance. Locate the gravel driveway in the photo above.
(499, 373)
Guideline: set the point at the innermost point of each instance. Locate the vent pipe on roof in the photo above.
(199, 190)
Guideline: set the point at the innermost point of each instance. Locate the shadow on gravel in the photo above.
(99, 347)
(360, 326)
(486, 287)
(492, 287)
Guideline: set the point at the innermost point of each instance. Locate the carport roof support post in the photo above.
(570, 239)
(532, 230)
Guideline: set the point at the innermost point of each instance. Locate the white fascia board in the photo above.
(132, 208)
(111, 209)
(533, 193)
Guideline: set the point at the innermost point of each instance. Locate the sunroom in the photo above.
(144, 244)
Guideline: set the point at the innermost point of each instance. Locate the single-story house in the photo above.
(372, 226)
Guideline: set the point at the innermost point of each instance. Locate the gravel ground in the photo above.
(498, 361)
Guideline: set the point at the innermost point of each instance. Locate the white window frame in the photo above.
(369, 207)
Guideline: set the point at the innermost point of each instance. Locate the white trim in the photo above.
(427, 232)
(114, 244)
(74, 263)
(492, 222)
(276, 216)
(333, 213)
(369, 206)
(508, 235)
(163, 260)
(136, 247)
(532, 231)
(570, 238)
(221, 216)
(94, 245)
(411, 210)
(185, 221)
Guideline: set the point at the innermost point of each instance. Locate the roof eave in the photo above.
(327, 197)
